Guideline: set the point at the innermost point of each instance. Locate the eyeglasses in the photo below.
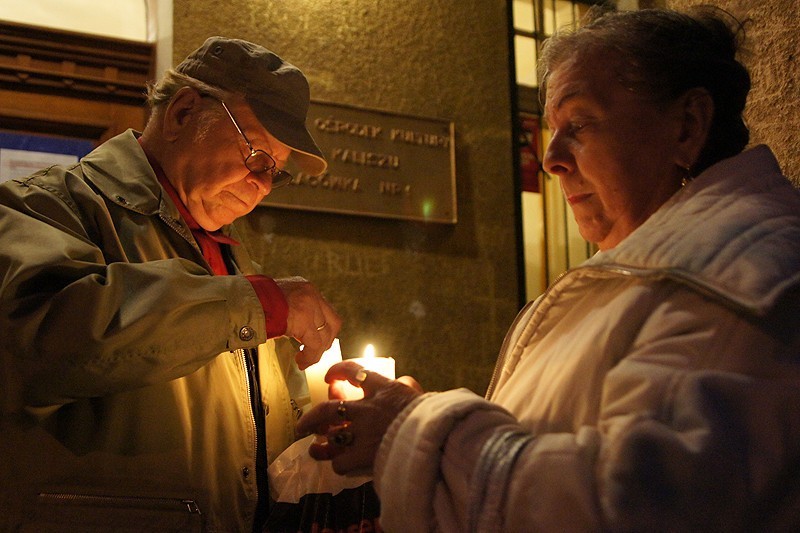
(259, 161)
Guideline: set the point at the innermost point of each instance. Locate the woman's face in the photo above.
(614, 152)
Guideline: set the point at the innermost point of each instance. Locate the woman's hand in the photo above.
(354, 429)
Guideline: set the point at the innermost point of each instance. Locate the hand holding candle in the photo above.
(350, 432)
(315, 374)
(381, 365)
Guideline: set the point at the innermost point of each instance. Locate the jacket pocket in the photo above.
(61, 512)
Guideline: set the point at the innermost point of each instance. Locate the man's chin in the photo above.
(221, 216)
(215, 223)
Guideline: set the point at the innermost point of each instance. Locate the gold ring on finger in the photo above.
(341, 410)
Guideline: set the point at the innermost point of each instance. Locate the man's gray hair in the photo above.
(162, 91)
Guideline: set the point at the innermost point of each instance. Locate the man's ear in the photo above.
(183, 106)
(697, 113)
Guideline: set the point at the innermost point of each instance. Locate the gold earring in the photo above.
(687, 175)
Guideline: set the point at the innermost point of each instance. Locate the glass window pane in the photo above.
(523, 15)
(548, 17)
(533, 244)
(564, 17)
(525, 52)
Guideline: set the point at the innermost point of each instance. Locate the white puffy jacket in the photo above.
(655, 387)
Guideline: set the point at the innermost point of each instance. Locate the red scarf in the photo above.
(209, 241)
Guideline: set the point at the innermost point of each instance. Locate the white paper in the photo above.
(295, 473)
(21, 163)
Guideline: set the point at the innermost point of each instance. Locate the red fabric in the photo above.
(209, 241)
(272, 299)
(276, 309)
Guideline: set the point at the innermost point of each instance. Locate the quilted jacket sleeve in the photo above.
(694, 432)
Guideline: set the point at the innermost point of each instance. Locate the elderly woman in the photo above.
(656, 386)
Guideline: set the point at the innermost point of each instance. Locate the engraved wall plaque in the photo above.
(379, 164)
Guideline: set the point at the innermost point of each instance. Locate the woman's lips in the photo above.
(577, 198)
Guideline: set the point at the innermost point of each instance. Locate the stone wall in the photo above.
(436, 297)
(439, 297)
(773, 58)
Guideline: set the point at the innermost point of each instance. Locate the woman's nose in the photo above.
(557, 157)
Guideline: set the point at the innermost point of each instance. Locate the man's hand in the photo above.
(312, 321)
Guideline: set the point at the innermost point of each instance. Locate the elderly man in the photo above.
(143, 381)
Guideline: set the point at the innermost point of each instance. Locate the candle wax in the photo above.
(315, 374)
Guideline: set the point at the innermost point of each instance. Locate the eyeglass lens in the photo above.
(260, 161)
(281, 178)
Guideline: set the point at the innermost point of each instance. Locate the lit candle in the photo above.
(381, 365)
(315, 374)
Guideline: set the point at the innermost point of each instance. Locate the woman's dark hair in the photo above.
(662, 54)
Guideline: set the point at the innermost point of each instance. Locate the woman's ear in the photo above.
(697, 113)
(180, 109)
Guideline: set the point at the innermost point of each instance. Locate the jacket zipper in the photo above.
(243, 357)
(504, 347)
(689, 281)
(188, 505)
(178, 228)
(501, 357)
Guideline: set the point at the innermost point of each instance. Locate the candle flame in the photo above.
(369, 351)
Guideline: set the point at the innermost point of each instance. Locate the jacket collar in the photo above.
(119, 169)
(734, 229)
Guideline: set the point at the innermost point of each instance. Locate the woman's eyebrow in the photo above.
(559, 103)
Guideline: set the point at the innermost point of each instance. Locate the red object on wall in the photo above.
(529, 164)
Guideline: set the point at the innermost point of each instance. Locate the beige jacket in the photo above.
(654, 388)
(124, 393)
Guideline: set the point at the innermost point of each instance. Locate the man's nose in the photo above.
(262, 181)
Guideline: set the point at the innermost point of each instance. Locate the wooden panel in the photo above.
(70, 117)
(87, 65)
(71, 84)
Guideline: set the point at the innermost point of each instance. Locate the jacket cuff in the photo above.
(273, 302)
(408, 462)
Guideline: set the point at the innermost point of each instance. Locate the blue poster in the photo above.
(22, 155)
(44, 143)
